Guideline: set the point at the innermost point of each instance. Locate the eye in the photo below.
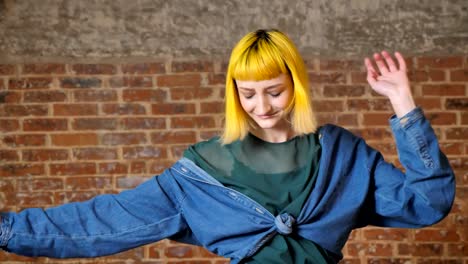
(248, 96)
(275, 94)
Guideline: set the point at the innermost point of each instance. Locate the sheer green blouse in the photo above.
(279, 176)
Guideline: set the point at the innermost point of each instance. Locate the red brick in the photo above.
(44, 96)
(30, 83)
(44, 154)
(178, 151)
(7, 69)
(326, 106)
(180, 251)
(123, 109)
(112, 168)
(24, 140)
(441, 118)
(8, 155)
(212, 108)
(374, 133)
(95, 96)
(130, 182)
(447, 62)
(10, 97)
(370, 249)
(386, 234)
(144, 95)
(143, 123)
(81, 82)
(376, 119)
(458, 249)
(144, 68)
(173, 109)
(45, 124)
(75, 109)
(74, 139)
(94, 69)
(138, 167)
(451, 148)
(426, 249)
(48, 68)
(144, 152)
(45, 184)
(392, 260)
(7, 125)
(347, 120)
(427, 75)
(179, 80)
(459, 75)
(192, 66)
(159, 166)
(11, 170)
(343, 90)
(359, 105)
(80, 196)
(86, 183)
(167, 137)
(216, 79)
(456, 104)
(133, 81)
(464, 118)
(73, 169)
(95, 154)
(429, 103)
(36, 199)
(190, 93)
(94, 123)
(442, 235)
(457, 133)
(193, 122)
(205, 135)
(23, 110)
(124, 139)
(443, 89)
(358, 77)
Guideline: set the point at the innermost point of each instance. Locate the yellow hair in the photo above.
(264, 55)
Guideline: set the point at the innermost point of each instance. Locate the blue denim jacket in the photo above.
(355, 187)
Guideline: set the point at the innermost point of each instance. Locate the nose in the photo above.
(263, 106)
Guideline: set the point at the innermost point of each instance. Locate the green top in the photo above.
(279, 176)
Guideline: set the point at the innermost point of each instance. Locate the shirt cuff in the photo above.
(406, 120)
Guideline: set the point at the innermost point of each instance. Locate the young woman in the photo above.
(274, 188)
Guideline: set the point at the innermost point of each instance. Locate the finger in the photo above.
(371, 72)
(389, 60)
(401, 61)
(380, 63)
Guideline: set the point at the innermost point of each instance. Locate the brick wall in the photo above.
(73, 131)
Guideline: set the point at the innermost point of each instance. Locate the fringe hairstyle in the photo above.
(264, 55)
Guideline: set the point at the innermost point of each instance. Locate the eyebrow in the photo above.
(267, 88)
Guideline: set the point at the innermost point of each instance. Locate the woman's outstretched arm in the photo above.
(104, 225)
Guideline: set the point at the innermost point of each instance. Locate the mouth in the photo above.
(266, 116)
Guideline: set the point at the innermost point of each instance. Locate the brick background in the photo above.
(73, 131)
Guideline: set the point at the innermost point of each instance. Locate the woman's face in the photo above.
(266, 101)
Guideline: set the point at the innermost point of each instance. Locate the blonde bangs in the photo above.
(262, 61)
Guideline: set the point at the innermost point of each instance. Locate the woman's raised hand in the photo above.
(391, 80)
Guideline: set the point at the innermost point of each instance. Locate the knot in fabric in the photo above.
(284, 223)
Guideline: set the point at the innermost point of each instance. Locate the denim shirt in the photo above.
(355, 187)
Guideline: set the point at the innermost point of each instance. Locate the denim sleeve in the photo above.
(421, 195)
(104, 225)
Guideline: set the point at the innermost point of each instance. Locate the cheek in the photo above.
(246, 105)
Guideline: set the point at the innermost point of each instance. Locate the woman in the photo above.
(274, 188)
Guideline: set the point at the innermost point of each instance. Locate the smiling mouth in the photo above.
(266, 116)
